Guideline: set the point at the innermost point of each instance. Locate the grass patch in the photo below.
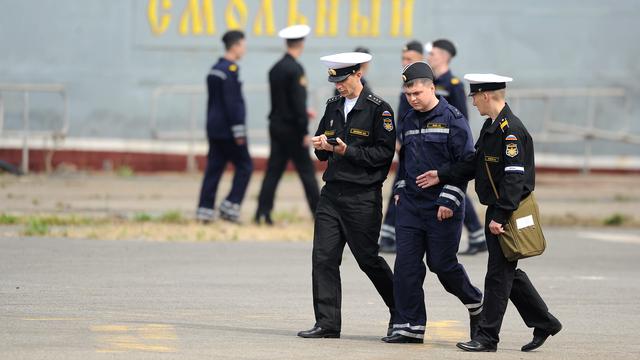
(142, 217)
(55, 220)
(172, 217)
(288, 217)
(615, 220)
(36, 227)
(623, 198)
(7, 219)
(124, 171)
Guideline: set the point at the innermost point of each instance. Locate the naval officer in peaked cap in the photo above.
(504, 150)
(356, 137)
(288, 122)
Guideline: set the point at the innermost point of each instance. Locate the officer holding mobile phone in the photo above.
(356, 136)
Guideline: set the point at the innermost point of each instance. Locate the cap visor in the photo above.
(335, 79)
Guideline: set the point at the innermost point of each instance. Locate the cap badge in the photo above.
(332, 72)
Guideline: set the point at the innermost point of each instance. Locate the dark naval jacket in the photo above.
(431, 140)
(506, 147)
(226, 110)
(288, 86)
(370, 135)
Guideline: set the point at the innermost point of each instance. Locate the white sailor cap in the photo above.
(344, 64)
(486, 82)
(294, 32)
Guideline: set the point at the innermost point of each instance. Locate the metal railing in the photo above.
(553, 129)
(56, 135)
(192, 132)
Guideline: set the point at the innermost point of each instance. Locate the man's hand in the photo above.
(495, 228)
(316, 141)
(240, 141)
(444, 213)
(341, 148)
(430, 178)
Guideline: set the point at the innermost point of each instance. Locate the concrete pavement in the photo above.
(79, 299)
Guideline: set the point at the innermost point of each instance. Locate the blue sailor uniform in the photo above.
(226, 113)
(430, 140)
(452, 89)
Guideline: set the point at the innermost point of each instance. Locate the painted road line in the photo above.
(611, 237)
(51, 319)
(446, 330)
(146, 338)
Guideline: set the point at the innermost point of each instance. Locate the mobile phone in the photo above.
(332, 141)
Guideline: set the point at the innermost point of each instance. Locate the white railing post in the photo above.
(25, 134)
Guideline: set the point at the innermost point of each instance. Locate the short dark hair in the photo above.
(231, 38)
(294, 42)
(414, 45)
(411, 83)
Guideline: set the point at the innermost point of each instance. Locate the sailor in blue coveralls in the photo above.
(429, 222)
(227, 134)
(451, 88)
(413, 51)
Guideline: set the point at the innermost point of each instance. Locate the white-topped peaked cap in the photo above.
(344, 64)
(294, 32)
(486, 82)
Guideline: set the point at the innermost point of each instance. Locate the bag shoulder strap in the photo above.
(493, 186)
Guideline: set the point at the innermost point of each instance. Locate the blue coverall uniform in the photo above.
(226, 113)
(430, 140)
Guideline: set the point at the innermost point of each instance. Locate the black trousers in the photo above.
(347, 215)
(505, 282)
(284, 147)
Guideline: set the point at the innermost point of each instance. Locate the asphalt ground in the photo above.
(92, 299)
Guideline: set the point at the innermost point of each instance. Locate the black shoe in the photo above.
(474, 249)
(260, 216)
(475, 346)
(401, 339)
(317, 332)
(538, 340)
